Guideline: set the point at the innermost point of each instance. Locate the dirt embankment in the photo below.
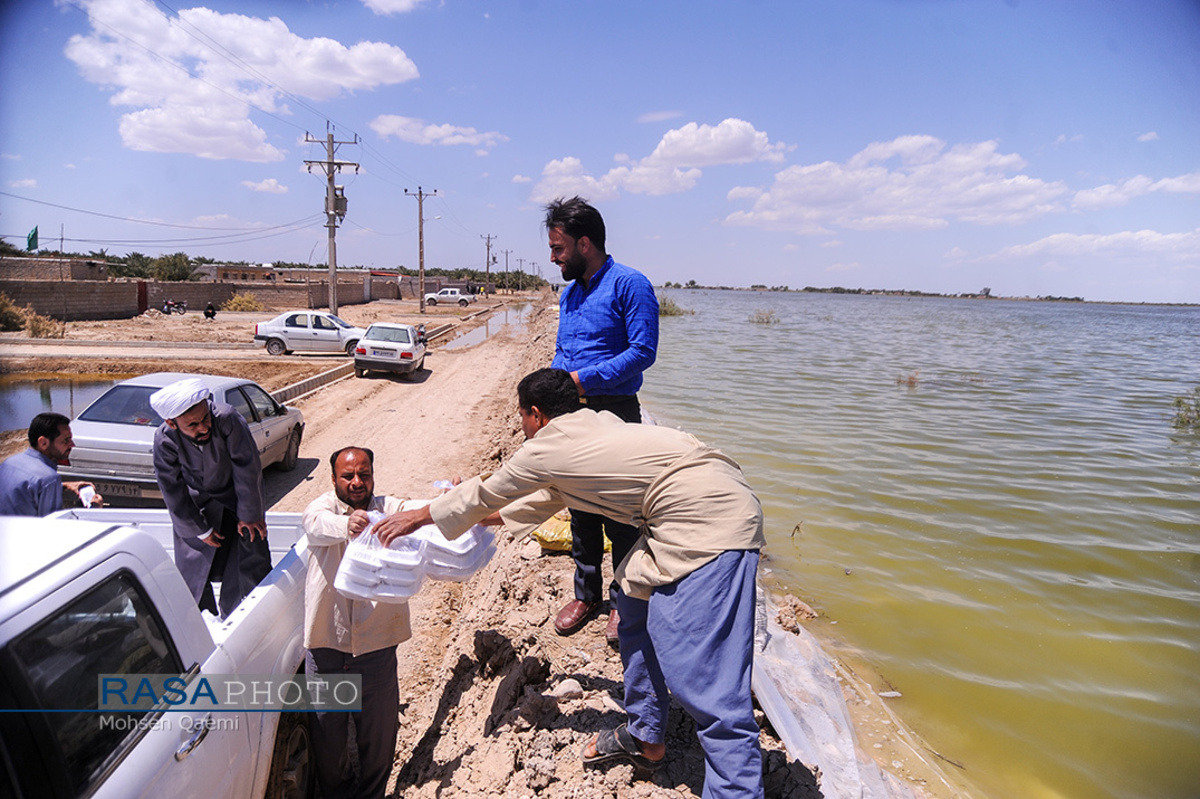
(493, 702)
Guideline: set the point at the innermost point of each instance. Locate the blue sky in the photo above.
(1035, 148)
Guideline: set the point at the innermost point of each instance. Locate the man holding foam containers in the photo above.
(356, 613)
(687, 595)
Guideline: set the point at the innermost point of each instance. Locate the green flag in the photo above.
(31, 243)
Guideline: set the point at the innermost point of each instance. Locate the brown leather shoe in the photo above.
(573, 616)
(610, 629)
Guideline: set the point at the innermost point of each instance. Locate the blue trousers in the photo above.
(375, 726)
(694, 639)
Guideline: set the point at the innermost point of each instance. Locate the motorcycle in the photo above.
(170, 306)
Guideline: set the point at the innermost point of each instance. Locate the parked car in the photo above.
(388, 347)
(114, 436)
(83, 602)
(307, 331)
(450, 296)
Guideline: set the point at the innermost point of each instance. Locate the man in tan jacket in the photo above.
(687, 589)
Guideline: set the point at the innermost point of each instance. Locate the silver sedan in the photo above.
(114, 436)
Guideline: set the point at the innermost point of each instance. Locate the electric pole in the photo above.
(520, 273)
(487, 260)
(421, 195)
(506, 254)
(335, 204)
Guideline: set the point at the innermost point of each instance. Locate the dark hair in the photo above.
(46, 424)
(577, 219)
(552, 391)
(333, 458)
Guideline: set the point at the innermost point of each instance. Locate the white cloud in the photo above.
(140, 54)
(1064, 139)
(522, 179)
(673, 166)
(1112, 195)
(10, 157)
(385, 7)
(566, 177)
(1151, 136)
(1130, 244)
(659, 116)
(910, 183)
(417, 131)
(270, 186)
(27, 183)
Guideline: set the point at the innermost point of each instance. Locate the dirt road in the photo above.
(493, 702)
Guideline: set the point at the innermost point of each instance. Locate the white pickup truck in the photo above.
(98, 594)
(449, 297)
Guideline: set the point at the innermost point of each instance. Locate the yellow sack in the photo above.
(555, 533)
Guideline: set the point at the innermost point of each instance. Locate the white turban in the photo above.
(175, 399)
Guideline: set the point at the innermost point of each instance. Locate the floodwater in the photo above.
(989, 504)
(23, 397)
(514, 316)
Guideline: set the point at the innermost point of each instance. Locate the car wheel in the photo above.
(359, 372)
(431, 301)
(464, 303)
(351, 346)
(292, 456)
(292, 764)
(276, 347)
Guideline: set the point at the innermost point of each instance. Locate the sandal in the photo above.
(619, 744)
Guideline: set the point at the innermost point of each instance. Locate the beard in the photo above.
(361, 503)
(198, 440)
(574, 267)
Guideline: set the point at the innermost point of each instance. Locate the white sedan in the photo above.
(388, 347)
(114, 436)
(307, 331)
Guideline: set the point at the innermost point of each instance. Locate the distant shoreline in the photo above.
(913, 293)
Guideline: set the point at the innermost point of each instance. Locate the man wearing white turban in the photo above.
(210, 475)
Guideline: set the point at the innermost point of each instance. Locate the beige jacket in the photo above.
(330, 619)
(691, 501)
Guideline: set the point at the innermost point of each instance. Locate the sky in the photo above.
(1046, 148)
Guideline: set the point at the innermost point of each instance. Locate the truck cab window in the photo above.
(109, 630)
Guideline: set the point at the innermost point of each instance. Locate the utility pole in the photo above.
(506, 254)
(421, 195)
(520, 273)
(335, 204)
(487, 260)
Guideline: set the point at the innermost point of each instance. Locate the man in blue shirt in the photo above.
(607, 336)
(30, 484)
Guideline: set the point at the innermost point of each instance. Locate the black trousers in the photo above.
(238, 566)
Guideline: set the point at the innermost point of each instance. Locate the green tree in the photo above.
(135, 264)
(10, 249)
(177, 267)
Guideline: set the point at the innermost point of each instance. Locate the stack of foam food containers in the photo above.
(456, 559)
(372, 572)
(375, 573)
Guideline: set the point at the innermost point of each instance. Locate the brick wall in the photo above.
(84, 300)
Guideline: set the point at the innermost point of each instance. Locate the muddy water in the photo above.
(990, 501)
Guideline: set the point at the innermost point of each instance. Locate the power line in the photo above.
(299, 222)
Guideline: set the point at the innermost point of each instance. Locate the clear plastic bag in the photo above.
(372, 572)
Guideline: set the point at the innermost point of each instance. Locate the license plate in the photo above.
(383, 354)
(118, 490)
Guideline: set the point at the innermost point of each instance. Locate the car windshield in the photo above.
(338, 321)
(398, 335)
(124, 405)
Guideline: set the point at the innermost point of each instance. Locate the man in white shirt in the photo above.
(349, 636)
